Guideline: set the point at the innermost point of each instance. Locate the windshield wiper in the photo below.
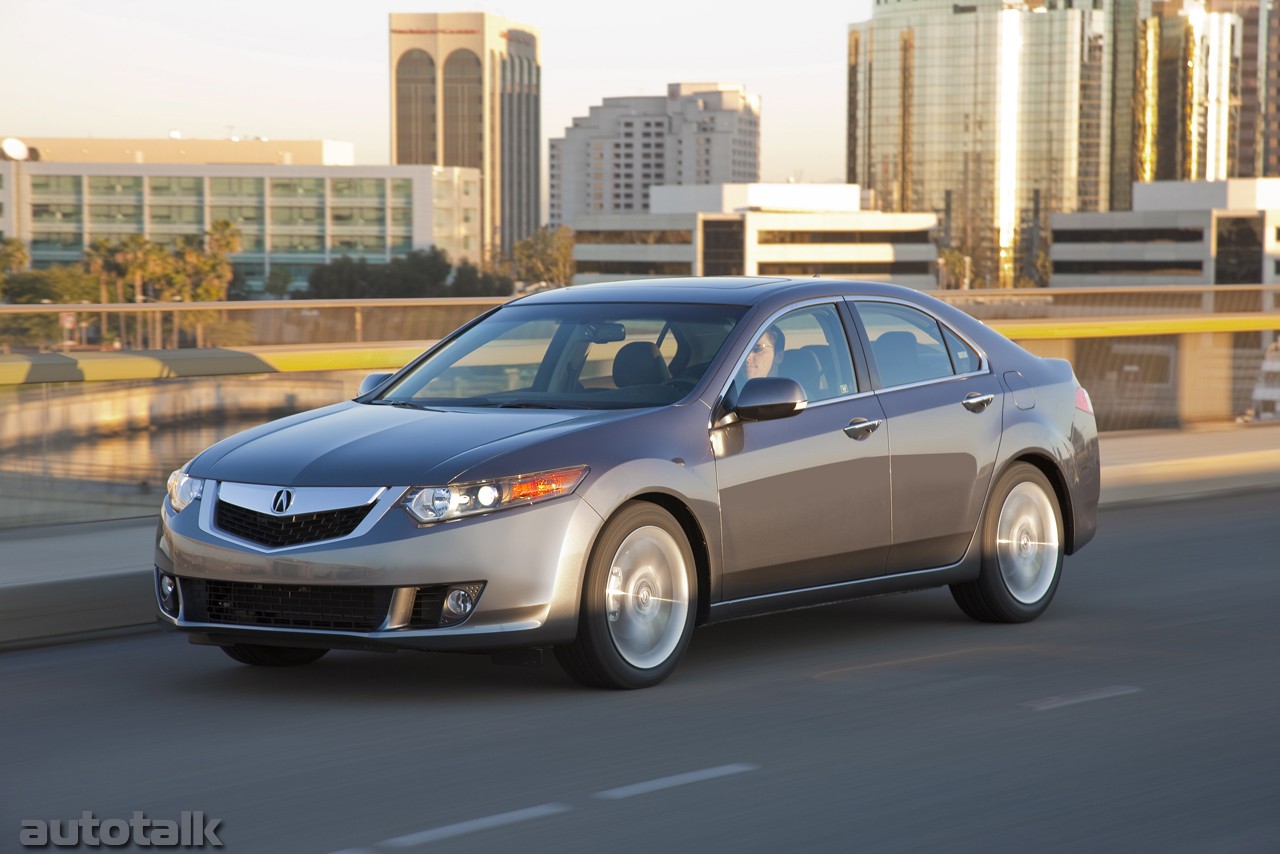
(404, 404)
(532, 405)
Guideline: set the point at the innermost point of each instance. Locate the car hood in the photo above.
(354, 444)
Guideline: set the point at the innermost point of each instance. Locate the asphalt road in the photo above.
(1139, 714)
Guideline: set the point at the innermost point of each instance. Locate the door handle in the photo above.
(976, 402)
(861, 428)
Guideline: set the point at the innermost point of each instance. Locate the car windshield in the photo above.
(572, 356)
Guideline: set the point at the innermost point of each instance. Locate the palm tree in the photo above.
(99, 260)
(141, 262)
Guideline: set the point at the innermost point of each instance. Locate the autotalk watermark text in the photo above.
(191, 830)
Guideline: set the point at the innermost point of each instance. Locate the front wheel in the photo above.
(1021, 550)
(261, 655)
(638, 602)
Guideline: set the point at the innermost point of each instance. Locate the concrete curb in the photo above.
(79, 605)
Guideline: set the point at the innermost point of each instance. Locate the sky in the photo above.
(319, 69)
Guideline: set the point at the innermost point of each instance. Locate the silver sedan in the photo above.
(599, 469)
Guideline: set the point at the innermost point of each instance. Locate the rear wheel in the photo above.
(260, 655)
(1021, 550)
(638, 602)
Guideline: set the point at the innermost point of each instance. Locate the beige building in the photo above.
(1178, 233)
(284, 152)
(290, 217)
(466, 91)
(757, 230)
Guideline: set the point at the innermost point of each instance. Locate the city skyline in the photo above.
(147, 68)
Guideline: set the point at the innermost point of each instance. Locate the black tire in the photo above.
(634, 623)
(272, 656)
(1021, 564)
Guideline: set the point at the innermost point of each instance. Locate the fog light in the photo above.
(458, 603)
(168, 588)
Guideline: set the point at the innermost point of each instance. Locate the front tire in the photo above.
(260, 655)
(1022, 550)
(639, 601)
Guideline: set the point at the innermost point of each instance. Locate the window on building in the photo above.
(242, 188)
(185, 186)
(851, 237)
(55, 185)
(846, 268)
(463, 109)
(238, 214)
(635, 268)
(115, 185)
(1238, 260)
(401, 190)
(283, 188)
(415, 107)
(1128, 235)
(1128, 268)
(723, 247)
(358, 188)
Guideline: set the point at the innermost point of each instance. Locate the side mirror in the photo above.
(767, 398)
(371, 382)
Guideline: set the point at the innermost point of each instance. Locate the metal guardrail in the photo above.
(1152, 356)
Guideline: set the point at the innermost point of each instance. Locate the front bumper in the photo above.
(530, 561)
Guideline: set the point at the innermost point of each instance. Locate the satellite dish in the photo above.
(14, 149)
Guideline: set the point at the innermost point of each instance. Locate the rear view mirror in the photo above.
(605, 333)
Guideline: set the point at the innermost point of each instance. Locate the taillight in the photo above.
(1083, 403)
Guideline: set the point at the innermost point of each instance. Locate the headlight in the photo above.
(183, 489)
(441, 503)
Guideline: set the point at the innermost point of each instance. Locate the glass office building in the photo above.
(989, 115)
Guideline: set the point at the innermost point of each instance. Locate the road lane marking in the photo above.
(673, 781)
(1083, 697)
(462, 828)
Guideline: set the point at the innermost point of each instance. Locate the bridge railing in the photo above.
(1151, 357)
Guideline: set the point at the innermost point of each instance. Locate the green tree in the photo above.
(13, 257)
(99, 262)
(141, 263)
(40, 330)
(278, 282)
(470, 281)
(221, 242)
(545, 257)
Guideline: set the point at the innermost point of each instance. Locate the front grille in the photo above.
(290, 606)
(279, 531)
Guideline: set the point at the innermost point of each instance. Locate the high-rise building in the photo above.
(1187, 99)
(1269, 85)
(1257, 106)
(466, 91)
(989, 114)
(700, 133)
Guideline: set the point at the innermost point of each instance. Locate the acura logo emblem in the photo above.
(282, 501)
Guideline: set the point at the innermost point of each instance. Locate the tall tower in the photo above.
(466, 90)
(991, 114)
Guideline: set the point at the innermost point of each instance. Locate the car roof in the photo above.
(726, 290)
